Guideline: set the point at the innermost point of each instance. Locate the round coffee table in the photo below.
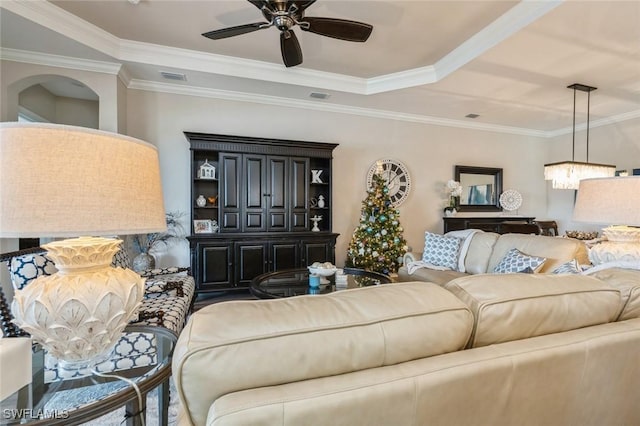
(295, 282)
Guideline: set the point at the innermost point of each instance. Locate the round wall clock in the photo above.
(397, 177)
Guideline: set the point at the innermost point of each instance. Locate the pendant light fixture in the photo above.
(567, 174)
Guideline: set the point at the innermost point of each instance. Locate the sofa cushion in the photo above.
(479, 253)
(313, 336)
(440, 250)
(556, 250)
(516, 261)
(518, 306)
(628, 282)
(429, 275)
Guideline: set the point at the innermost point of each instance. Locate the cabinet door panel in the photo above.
(254, 182)
(299, 186)
(251, 261)
(318, 251)
(284, 255)
(229, 199)
(277, 195)
(216, 268)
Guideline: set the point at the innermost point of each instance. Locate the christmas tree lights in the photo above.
(377, 243)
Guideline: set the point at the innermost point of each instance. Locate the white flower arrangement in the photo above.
(453, 190)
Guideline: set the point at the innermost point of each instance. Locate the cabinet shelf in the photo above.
(205, 180)
(205, 207)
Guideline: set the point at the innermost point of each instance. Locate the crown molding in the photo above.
(59, 20)
(187, 90)
(324, 106)
(38, 58)
(164, 56)
(63, 22)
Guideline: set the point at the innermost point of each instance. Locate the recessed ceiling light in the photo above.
(173, 76)
(472, 115)
(318, 95)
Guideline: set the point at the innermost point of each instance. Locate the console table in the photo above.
(489, 224)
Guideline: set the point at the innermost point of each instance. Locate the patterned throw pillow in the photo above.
(24, 269)
(441, 251)
(571, 267)
(516, 261)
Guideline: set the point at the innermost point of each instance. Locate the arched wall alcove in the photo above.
(61, 100)
(16, 77)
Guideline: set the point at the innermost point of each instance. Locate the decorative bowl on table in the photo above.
(582, 235)
(325, 269)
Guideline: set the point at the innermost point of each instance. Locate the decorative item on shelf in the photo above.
(201, 201)
(144, 244)
(203, 226)
(453, 189)
(568, 174)
(612, 201)
(315, 220)
(321, 203)
(510, 201)
(103, 184)
(316, 176)
(207, 171)
(396, 177)
(212, 200)
(313, 202)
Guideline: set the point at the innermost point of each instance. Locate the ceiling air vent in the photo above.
(318, 95)
(173, 76)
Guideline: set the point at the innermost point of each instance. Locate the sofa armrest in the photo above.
(410, 257)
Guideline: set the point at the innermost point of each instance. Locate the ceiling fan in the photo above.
(284, 15)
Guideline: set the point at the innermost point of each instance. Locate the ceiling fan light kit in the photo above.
(568, 174)
(284, 15)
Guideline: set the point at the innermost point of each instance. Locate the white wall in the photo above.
(430, 153)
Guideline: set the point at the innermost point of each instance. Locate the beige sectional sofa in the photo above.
(488, 349)
(486, 249)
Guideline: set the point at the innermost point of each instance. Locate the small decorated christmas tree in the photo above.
(377, 243)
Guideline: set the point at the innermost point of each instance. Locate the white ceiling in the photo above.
(426, 61)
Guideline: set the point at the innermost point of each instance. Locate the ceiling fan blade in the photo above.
(303, 4)
(234, 31)
(337, 28)
(257, 3)
(291, 52)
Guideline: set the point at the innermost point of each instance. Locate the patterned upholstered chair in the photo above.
(167, 302)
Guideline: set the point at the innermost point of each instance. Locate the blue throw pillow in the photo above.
(441, 251)
(515, 261)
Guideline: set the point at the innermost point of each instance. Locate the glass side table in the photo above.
(75, 400)
(295, 282)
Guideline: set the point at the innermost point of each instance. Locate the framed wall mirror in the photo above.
(481, 188)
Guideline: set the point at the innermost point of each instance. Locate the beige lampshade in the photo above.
(611, 201)
(62, 181)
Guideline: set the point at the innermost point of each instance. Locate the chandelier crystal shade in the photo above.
(568, 174)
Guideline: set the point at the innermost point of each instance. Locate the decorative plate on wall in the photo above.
(397, 177)
(510, 200)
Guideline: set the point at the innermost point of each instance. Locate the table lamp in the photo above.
(66, 181)
(612, 201)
